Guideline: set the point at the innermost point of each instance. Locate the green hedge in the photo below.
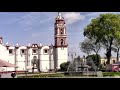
(42, 76)
(111, 73)
(53, 75)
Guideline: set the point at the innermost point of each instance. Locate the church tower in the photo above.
(60, 38)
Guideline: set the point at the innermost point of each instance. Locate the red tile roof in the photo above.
(6, 64)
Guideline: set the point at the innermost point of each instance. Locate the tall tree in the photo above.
(95, 58)
(91, 45)
(104, 29)
(86, 47)
(116, 47)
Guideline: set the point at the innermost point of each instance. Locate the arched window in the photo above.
(34, 61)
(46, 51)
(61, 31)
(113, 61)
(55, 31)
(34, 51)
(11, 51)
(23, 51)
(62, 41)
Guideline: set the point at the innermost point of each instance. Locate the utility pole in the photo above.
(72, 54)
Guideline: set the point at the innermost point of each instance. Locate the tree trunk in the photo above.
(118, 55)
(108, 54)
(97, 60)
(33, 69)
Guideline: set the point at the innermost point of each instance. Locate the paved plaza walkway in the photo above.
(6, 75)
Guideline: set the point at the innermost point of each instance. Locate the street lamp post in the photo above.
(84, 60)
(72, 54)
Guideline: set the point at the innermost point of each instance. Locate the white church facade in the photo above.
(48, 57)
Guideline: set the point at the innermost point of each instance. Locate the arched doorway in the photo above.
(34, 63)
(113, 61)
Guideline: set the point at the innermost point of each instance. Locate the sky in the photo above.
(38, 27)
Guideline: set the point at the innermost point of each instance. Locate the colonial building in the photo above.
(112, 60)
(48, 57)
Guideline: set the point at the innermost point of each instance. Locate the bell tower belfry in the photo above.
(60, 38)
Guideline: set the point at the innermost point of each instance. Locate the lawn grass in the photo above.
(111, 74)
(43, 75)
(52, 75)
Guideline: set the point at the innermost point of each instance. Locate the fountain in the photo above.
(80, 67)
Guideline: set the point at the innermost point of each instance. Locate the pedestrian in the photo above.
(13, 74)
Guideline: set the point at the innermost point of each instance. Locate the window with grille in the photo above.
(45, 51)
(23, 51)
(34, 51)
(10, 51)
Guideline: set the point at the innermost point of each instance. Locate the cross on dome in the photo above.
(59, 13)
(59, 16)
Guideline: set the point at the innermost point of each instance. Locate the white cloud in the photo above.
(72, 17)
(32, 19)
(96, 14)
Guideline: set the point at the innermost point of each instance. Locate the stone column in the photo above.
(39, 58)
(15, 56)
